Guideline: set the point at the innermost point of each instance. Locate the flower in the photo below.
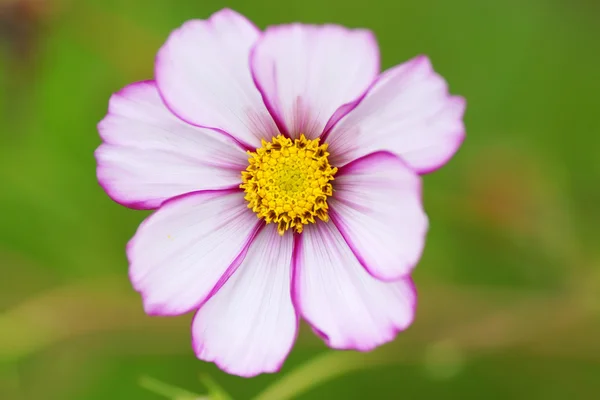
(285, 171)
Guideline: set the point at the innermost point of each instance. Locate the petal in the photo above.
(305, 73)
(203, 74)
(343, 303)
(377, 209)
(149, 155)
(249, 326)
(187, 249)
(408, 112)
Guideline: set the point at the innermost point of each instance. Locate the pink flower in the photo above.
(284, 168)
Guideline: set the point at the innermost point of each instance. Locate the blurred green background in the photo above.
(509, 284)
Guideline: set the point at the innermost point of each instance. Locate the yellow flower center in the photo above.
(287, 182)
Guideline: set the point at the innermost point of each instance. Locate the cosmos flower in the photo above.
(285, 171)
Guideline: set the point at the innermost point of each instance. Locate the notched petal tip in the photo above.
(292, 63)
(250, 325)
(423, 61)
(149, 155)
(459, 103)
(107, 180)
(203, 77)
(366, 313)
(408, 111)
(379, 212)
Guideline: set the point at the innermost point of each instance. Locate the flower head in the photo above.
(288, 182)
(284, 168)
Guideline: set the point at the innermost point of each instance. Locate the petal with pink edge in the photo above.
(249, 326)
(149, 155)
(310, 76)
(408, 112)
(188, 248)
(377, 209)
(203, 75)
(348, 307)
(345, 305)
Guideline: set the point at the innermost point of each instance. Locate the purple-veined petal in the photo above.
(347, 306)
(310, 76)
(186, 250)
(203, 74)
(377, 209)
(149, 155)
(409, 112)
(249, 326)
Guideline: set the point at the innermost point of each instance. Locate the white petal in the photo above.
(377, 208)
(203, 74)
(307, 74)
(408, 112)
(248, 327)
(149, 155)
(348, 307)
(188, 248)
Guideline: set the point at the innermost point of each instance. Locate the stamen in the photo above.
(287, 182)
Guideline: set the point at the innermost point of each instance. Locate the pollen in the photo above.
(287, 182)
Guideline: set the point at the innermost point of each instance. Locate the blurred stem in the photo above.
(166, 390)
(322, 369)
(515, 325)
(216, 392)
(102, 305)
